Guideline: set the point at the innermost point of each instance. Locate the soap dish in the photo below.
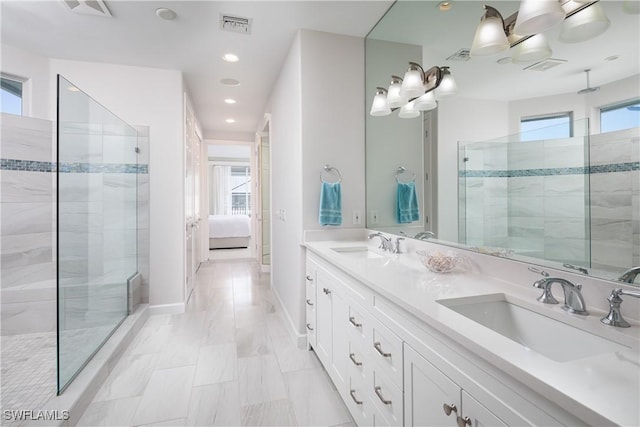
(441, 262)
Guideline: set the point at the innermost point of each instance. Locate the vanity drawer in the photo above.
(358, 324)
(358, 402)
(387, 399)
(358, 364)
(387, 353)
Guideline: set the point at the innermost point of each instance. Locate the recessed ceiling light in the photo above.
(230, 101)
(230, 82)
(230, 121)
(230, 57)
(612, 58)
(445, 5)
(166, 14)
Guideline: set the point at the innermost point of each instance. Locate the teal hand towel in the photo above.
(407, 203)
(330, 204)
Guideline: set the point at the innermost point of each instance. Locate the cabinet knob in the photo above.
(309, 327)
(309, 278)
(448, 409)
(379, 394)
(462, 422)
(378, 348)
(352, 356)
(309, 302)
(355, 399)
(352, 320)
(326, 291)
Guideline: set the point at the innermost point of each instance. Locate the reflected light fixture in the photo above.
(230, 101)
(408, 111)
(448, 86)
(395, 98)
(380, 107)
(230, 57)
(584, 25)
(426, 102)
(537, 16)
(413, 82)
(534, 48)
(230, 120)
(490, 36)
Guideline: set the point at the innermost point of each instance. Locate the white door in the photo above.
(191, 223)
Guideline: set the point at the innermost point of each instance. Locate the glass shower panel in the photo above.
(97, 220)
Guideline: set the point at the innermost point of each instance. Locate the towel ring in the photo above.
(400, 171)
(330, 169)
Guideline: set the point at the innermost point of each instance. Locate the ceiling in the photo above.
(192, 43)
(444, 33)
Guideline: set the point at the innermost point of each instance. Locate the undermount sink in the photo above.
(544, 335)
(360, 252)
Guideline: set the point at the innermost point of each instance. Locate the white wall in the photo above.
(461, 120)
(311, 127)
(152, 97)
(37, 94)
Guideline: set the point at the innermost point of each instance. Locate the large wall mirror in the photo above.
(532, 157)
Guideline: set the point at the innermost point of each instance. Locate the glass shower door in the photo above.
(96, 232)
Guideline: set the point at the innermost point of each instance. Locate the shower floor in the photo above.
(28, 371)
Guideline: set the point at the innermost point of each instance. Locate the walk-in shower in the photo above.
(74, 210)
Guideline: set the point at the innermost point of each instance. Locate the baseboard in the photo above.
(298, 338)
(176, 308)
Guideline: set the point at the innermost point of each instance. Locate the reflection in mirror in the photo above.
(563, 189)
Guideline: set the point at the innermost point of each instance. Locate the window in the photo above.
(240, 190)
(620, 116)
(551, 126)
(11, 99)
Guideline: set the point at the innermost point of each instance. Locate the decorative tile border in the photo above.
(618, 167)
(71, 167)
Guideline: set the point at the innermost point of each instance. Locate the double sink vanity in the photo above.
(406, 346)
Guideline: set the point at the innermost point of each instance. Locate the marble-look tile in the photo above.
(526, 156)
(496, 227)
(531, 186)
(569, 155)
(26, 249)
(120, 187)
(215, 405)
(611, 205)
(612, 254)
(290, 357)
(260, 380)
(566, 185)
(221, 329)
(18, 276)
(315, 400)
(252, 339)
(166, 396)
(275, 413)
(614, 230)
(80, 187)
(573, 251)
(23, 186)
(179, 351)
(26, 138)
(216, 364)
(526, 206)
(128, 378)
(25, 218)
(28, 317)
(118, 412)
(565, 227)
(177, 422)
(150, 339)
(612, 182)
(524, 245)
(568, 206)
(80, 148)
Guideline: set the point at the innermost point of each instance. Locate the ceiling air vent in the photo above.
(88, 7)
(235, 24)
(461, 55)
(545, 65)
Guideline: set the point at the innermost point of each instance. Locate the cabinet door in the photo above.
(426, 392)
(476, 415)
(324, 317)
(340, 338)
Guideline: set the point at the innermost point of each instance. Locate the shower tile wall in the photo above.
(27, 229)
(615, 200)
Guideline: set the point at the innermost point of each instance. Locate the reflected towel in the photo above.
(407, 203)
(330, 204)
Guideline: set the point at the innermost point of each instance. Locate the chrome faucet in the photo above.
(573, 301)
(396, 248)
(629, 276)
(424, 235)
(385, 242)
(614, 318)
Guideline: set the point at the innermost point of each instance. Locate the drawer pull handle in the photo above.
(352, 320)
(462, 422)
(355, 399)
(382, 399)
(448, 409)
(378, 348)
(326, 291)
(309, 302)
(352, 356)
(309, 278)
(309, 327)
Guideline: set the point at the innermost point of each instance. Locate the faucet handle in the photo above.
(396, 249)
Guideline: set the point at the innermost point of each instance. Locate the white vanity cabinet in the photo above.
(310, 303)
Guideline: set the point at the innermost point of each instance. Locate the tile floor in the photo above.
(227, 361)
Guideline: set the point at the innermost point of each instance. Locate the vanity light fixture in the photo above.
(380, 106)
(409, 111)
(584, 25)
(490, 36)
(448, 86)
(413, 82)
(395, 97)
(536, 16)
(426, 102)
(534, 48)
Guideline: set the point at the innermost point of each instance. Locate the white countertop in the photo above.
(602, 389)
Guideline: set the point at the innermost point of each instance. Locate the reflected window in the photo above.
(240, 190)
(620, 116)
(11, 98)
(553, 126)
